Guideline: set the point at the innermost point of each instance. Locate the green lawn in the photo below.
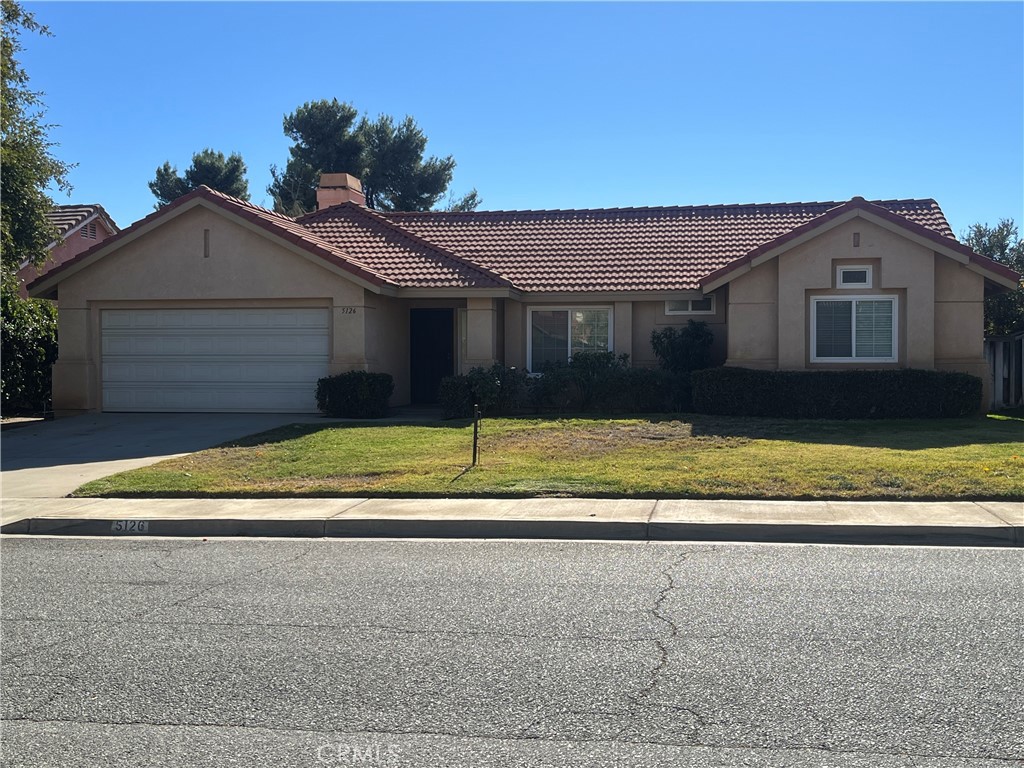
(699, 457)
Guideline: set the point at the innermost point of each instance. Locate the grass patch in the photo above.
(699, 457)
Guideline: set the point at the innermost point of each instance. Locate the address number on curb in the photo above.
(129, 526)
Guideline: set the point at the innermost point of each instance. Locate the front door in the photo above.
(431, 351)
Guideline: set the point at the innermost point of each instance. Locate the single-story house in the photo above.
(214, 304)
(79, 227)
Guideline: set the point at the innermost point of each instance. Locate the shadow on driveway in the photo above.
(102, 437)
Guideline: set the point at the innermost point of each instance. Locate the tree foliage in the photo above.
(28, 328)
(1004, 314)
(225, 174)
(28, 165)
(385, 154)
(28, 349)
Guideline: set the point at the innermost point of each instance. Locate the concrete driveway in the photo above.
(53, 458)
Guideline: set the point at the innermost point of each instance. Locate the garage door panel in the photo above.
(252, 359)
(268, 372)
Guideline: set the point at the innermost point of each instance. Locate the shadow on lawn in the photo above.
(904, 435)
(895, 434)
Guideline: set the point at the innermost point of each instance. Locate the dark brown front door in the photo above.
(431, 351)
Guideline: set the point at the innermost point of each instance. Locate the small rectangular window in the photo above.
(704, 306)
(853, 277)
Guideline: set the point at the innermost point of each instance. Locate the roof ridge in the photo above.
(641, 208)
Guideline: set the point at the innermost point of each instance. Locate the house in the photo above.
(216, 304)
(79, 227)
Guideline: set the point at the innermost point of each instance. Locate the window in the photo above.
(853, 329)
(705, 306)
(853, 277)
(558, 333)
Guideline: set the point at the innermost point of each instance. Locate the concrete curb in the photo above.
(506, 528)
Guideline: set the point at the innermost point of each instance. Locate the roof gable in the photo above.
(270, 223)
(879, 214)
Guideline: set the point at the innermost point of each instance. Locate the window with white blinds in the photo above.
(853, 329)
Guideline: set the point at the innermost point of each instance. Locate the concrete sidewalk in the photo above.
(962, 523)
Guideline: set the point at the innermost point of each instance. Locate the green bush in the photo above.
(355, 395)
(892, 394)
(497, 390)
(680, 352)
(455, 396)
(28, 329)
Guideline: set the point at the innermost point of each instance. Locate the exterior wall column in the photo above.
(481, 334)
(622, 320)
(351, 334)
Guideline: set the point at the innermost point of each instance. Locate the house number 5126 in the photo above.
(346, 310)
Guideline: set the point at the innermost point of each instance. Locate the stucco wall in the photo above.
(650, 316)
(940, 302)
(167, 267)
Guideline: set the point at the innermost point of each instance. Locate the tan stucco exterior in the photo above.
(204, 257)
(940, 301)
(168, 268)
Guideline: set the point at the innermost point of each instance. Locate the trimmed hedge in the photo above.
(905, 393)
(593, 382)
(355, 395)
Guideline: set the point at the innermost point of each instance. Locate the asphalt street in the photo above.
(178, 652)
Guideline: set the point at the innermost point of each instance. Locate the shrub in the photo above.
(893, 394)
(683, 350)
(355, 395)
(680, 352)
(28, 329)
(456, 397)
(497, 390)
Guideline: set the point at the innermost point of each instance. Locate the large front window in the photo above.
(556, 334)
(853, 329)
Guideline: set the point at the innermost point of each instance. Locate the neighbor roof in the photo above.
(66, 217)
(626, 249)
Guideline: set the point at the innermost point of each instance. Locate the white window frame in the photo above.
(691, 311)
(853, 329)
(566, 308)
(840, 283)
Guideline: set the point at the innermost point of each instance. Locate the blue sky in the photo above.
(560, 105)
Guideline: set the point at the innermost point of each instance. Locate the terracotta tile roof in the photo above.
(409, 260)
(67, 217)
(626, 249)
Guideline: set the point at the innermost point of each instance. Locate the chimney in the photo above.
(338, 188)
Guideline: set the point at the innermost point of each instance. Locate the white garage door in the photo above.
(213, 359)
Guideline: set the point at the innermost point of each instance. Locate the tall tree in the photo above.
(1004, 314)
(28, 165)
(225, 174)
(325, 142)
(387, 156)
(28, 328)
